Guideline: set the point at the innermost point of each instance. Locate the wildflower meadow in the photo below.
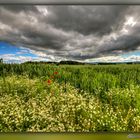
(69, 98)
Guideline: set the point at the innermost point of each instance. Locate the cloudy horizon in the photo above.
(88, 33)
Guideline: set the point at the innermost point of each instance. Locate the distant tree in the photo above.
(1, 60)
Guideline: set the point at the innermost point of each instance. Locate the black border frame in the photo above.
(71, 2)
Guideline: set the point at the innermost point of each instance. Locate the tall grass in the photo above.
(76, 99)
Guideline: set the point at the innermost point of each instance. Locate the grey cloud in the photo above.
(18, 8)
(72, 32)
(87, 20)
(122, 44)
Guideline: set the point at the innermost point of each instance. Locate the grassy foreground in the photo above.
(51, 98)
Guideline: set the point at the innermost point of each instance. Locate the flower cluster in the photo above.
(49, 81)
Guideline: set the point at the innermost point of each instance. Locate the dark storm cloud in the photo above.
(72, 32)
(87, 20)
(121, 45)
(18, 8)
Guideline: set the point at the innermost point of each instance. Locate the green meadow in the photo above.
(69, 98)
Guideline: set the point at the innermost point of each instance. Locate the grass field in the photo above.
(66, 98)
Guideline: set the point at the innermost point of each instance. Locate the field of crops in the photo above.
(69, 98)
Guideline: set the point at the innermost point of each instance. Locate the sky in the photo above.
(87, 33)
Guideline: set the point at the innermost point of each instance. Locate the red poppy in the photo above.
(55, 72)
(49, 81)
